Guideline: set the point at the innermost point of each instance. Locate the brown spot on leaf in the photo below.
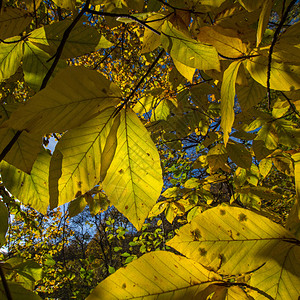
(242, 217)
(78, 194)
(222, 212)
(121, 171)
(202, 251)
(196, 234)
(124, 285)
(126, 207)
(79, 183)
(104, 91)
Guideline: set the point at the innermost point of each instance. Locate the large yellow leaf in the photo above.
(82, 39)
(156, 275)
(226, 41)
(82, 154)
(134, 179)
(25, 150)
(285, 77)
(10, 57)
(151, 40)
(279, 277)
(75, 95)
(13, 21)
(36, 64)
(188, 51)
(250, 95)
(29, 189)
(263, 20)
(237, 241)
(227, 98)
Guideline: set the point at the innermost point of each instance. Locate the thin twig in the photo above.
(291, 104)
(60, 48)
(5, 285)
(127, 16)
(10, 144)
(128, 98)
(275, 38)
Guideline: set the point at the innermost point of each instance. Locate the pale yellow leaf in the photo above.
(134, 179)
(227, 98)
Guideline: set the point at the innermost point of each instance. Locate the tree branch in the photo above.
(107, 14)
(139, 83)
(5, 285)
(275, 38)
(60, 48)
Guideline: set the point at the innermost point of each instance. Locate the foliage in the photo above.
(177, 112)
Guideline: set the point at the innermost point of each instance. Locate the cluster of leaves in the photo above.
(201, 98)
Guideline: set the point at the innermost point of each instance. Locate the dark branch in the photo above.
(139, 83)
(5, 285)
(60, 48)
(10, 144)
(275, 38)
(107, 14)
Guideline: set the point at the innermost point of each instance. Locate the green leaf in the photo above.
(36, 64)
(13, 21)
(284, 76)
(76, 95)
(18, 293)
(67, 4)
(76, 206)
(134, 179)
(263, 20)
(251, 5)
(282, 272)
(187, 50)
(227, 98)
(10, 57)
(161, 111)
(217, 158)
(184, 70)
(250, 95)
(29, 189)
(265, 167)
(3, 222)
(25, 150)
(239, 154)
(83, 154)
(167, 276)
(236, 242)
(82, 39)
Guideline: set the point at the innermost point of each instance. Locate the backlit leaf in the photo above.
(31, 189)
(134, 180)
(285, 77)
(156, 275)
(25, 150)
(239, 154)
(13, 21)
(227, 98)
(226, 41)
(237, 241)
(3, 222)
(84, 153)
(82, 39)
(19, 293)
(10, 58)
(75, 95)
(188, 51)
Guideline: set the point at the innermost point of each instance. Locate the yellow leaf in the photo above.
(226, 41)
(227, 98)
(78, 92)
(158, 274)
(285, 77)
(31, 189)
(188, 51)
(134, 179)
(263, 20)
(184, 70)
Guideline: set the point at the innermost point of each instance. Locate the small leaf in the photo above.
(3, 222)
(76, 206)
(263, 20)
(239, 154)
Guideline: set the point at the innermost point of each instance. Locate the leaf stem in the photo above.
(5, 285)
